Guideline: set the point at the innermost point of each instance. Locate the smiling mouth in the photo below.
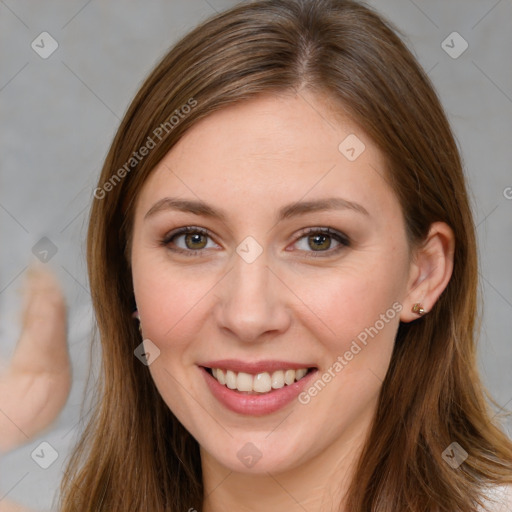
(260, 383)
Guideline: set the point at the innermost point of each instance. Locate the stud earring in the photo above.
(418, 309)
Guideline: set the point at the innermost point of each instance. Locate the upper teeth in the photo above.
(260, 383)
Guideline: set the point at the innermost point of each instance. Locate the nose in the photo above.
(252, 301)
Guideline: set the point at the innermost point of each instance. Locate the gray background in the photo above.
(58, 116)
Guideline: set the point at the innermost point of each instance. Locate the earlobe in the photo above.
(431, 271)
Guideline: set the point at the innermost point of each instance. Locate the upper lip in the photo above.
(255, 367)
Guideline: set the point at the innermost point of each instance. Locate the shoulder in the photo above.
(498, 498)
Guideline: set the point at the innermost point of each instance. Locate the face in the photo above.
(266, 244)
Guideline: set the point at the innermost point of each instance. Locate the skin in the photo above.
(35, 385)
(250, 160)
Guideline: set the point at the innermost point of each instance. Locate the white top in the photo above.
(502, 497)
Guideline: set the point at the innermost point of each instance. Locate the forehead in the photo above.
(273, 149)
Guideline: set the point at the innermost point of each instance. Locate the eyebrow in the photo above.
(290, 210)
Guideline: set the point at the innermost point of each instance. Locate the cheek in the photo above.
(169, 299)
(356, 317)
(344, 302)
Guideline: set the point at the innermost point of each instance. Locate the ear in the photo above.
(430, 271)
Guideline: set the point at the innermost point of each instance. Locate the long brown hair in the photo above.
(134, 455)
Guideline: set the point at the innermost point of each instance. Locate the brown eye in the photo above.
(188, 240)
(317, 241)
(193, 240)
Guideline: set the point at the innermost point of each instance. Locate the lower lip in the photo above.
(257, 404)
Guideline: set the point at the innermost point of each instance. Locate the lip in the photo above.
(255, 367)
(256, 405)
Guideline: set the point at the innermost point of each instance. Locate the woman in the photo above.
(284, 212)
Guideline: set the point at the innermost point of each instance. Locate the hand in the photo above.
(9, 506)
(36, 384)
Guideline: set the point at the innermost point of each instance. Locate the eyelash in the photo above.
(339, 237)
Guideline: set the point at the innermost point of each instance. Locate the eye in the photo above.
(194, 240)
(320, 240)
